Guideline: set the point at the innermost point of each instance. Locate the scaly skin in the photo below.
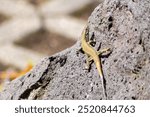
(93, 55)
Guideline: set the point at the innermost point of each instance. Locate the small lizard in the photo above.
(92, 54)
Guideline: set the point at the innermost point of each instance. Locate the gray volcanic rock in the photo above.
(123, 26)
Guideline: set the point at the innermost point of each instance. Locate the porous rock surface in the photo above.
(123, 26)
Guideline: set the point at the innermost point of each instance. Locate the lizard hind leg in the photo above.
(88, 62)
(100, 52)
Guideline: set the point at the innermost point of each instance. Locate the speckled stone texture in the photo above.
(123, 26)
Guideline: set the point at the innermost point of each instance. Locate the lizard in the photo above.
(92, 54)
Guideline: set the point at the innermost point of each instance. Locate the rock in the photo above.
(123, 26)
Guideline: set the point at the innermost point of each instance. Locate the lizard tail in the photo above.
(102, 80)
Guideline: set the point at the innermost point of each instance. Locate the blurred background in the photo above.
(33, 29)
